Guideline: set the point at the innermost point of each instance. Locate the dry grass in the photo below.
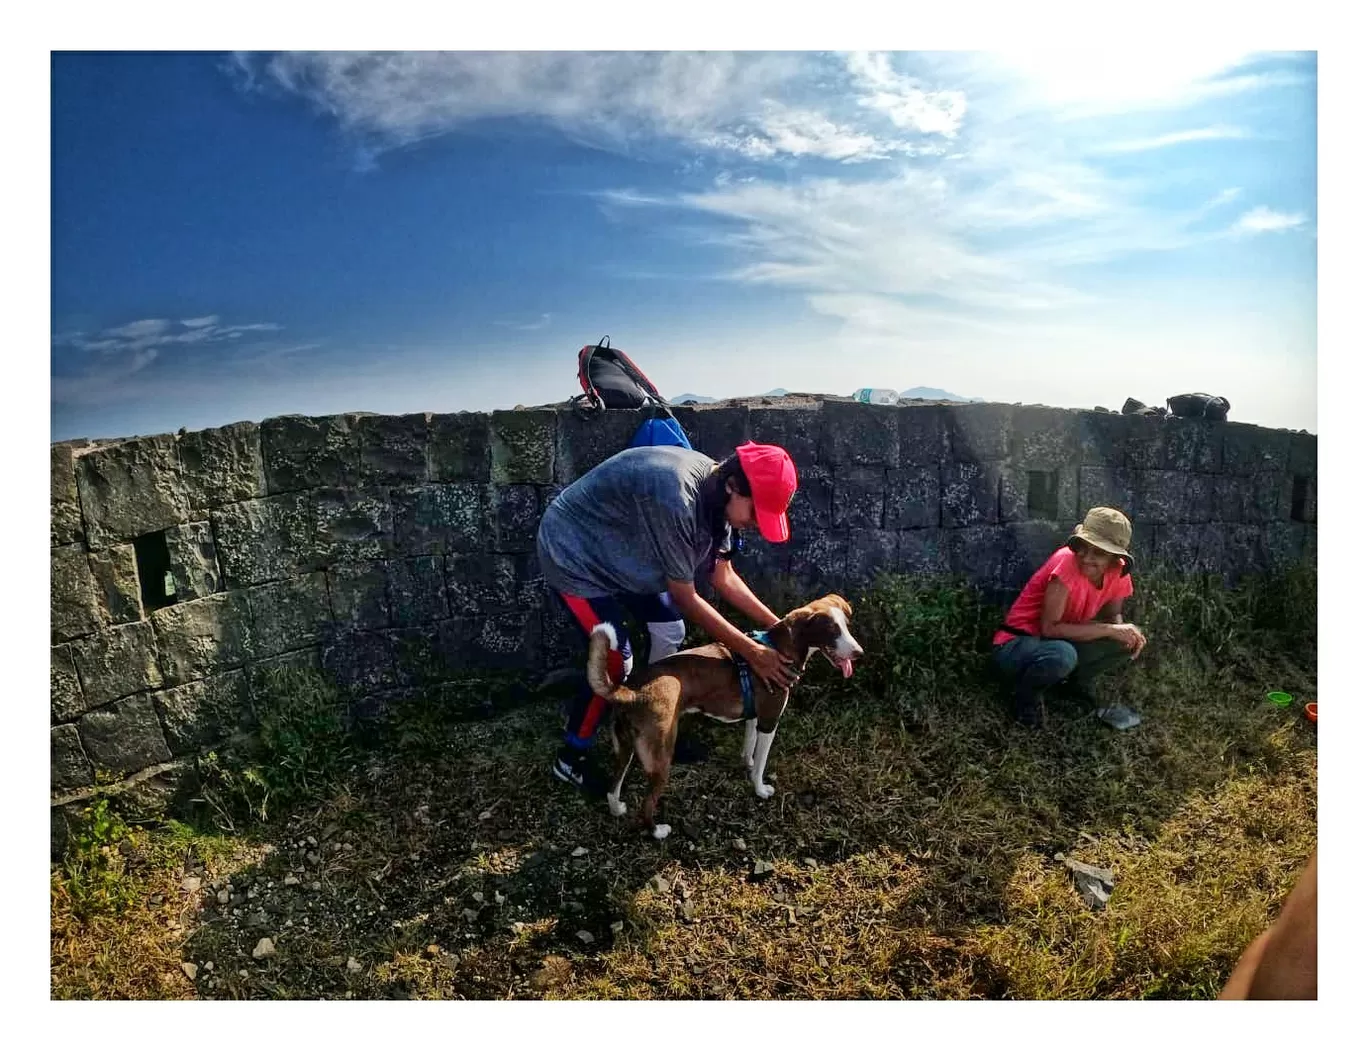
(912, 839)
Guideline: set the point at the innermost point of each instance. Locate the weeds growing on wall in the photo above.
(302, 748)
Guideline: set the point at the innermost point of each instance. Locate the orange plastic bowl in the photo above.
(1311, 711)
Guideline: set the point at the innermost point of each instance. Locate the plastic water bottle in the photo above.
(877, 396)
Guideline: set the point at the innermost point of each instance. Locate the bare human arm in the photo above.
(1053, 627)
(774, 669)
(737, 593)
(1280, 964)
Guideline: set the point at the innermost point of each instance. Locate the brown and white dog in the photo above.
(707, 680)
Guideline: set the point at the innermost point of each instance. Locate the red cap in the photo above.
(773, 481)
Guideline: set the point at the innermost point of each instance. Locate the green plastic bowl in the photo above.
(1279, 699)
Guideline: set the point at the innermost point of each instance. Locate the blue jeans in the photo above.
(1033, 663)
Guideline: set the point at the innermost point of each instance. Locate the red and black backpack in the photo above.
(611, 380)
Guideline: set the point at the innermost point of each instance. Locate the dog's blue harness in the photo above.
(743, 669)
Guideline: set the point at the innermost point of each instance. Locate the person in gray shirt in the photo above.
(635, 535)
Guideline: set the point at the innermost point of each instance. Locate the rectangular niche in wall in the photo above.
(1299, 498)
(1042, 495)
(154, 571)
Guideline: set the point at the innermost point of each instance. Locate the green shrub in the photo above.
(302, 748)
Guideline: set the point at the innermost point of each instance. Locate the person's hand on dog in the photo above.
(771, 667)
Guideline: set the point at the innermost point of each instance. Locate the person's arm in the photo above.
(737, 593)
(770, 665)
(1053, 627)
(1280, 964)
(1110, 613)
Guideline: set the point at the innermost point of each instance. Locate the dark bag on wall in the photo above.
(1199, 406)
(611, 380)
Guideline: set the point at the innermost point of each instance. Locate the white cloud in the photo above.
(1175, 138)
(760, 105)
(1262, 220)
(136, 344)
(1127, 79)
(902, 100)
(607, 99)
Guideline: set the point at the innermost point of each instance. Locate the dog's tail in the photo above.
(602, 639)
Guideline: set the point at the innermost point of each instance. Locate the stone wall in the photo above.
(396, 552)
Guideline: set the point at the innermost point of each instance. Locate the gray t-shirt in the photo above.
(630, 525)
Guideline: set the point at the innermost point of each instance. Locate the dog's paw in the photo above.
(763, 790)
(616, 807)
(661, 831)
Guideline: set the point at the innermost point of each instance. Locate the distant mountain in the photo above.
(778, 392)
(701, 399)
(934, 394)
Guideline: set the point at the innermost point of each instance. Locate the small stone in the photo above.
(810, 862)
(208, 965)
(762, 868)
(615, 926)
(739, 844)
(470, 914)
(191, 971)
(585, 937)
(191, 884)
(485, 815)
(224, 897)
(478, 897)
(251, 892)
(156, 899)
(434, 950)
(311, 841)
(352, 965)
(264, 948)
(243, 973)
(290, 881)
(660, 884)
(579, 852)
(315, 885)
(499, 899)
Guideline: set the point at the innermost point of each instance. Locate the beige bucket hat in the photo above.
(1108, 529)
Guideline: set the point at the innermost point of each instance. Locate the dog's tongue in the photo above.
(847, 668)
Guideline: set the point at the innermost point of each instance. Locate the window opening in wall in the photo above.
(1042, 494)
(1299, 484)
(154, 571)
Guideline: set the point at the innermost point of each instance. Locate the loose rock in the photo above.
(190, 884)
(579, 852)
(762, 869)
(264, 949)
(585, 937)
(352, 965)
(190, 970)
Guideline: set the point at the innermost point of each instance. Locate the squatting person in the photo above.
(634, 535)
(1066, 626)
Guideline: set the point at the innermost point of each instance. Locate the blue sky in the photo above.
(238, 236)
